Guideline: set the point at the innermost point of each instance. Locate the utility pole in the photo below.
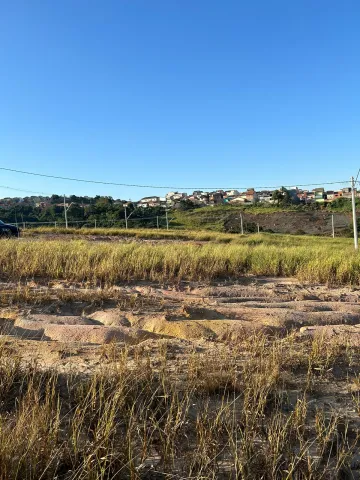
(258, 226)
(127, 217)
(332, 226)
(65, 212)
(354, 213)
(242, 224)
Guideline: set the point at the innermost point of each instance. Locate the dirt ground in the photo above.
(68, 328)
(310, 223)
(71, 329)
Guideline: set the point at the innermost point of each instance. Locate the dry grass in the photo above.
(139, 233)
(226, 416)
(24, 295)
(191, 235)
(320, 260)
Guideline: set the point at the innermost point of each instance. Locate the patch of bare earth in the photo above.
(316, 329)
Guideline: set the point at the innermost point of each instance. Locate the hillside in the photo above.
(269, 219)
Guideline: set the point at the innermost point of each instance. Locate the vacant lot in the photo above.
(181, 358)
(198, 256)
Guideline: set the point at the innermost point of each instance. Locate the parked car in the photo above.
(8, 231)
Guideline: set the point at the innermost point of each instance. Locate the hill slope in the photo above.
(271, 219)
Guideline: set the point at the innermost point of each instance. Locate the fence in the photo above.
(335, 225)
(138, 222)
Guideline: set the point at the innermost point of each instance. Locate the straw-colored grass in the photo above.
(310, 259)
(191, 235)
(221, 417)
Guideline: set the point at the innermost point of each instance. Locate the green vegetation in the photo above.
(218, 218)
(309, 258)
(215, 218)
(104, 210)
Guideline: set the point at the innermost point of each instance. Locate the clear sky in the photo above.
(201, 93)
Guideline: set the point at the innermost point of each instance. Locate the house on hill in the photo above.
(251, 195)
(149, 202)
(319, 195)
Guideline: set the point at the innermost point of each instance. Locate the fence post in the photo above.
(258, 228)
(157, 222)
(95, 222)
(242, 224)
(167, 220)
(332, 226)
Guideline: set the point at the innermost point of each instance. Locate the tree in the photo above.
(185, 205)
(277, 196)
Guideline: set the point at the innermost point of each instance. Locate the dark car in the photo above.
(7, 230)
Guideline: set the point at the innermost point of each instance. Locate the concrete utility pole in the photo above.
(65, 212)
(242, 224)
(354, 213)
(332, 226)
(127, 217)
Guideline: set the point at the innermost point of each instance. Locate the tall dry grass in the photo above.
(191, 235)
(226, 416)
(108, 263)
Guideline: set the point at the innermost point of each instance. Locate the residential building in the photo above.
(232, 193)
(149, 202)
(265, 196)
(319, 195)
(251, 195)
(216, 198)
(346, 192)
(174, 197)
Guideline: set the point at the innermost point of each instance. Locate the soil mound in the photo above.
(95, 334)
(111, 317)
(344, 334)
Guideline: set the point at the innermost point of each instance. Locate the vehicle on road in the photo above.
(8, 231)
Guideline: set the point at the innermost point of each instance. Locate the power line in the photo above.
(357, 176)
(162, 186)
(25, 191)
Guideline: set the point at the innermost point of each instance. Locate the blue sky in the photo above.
(178, 92)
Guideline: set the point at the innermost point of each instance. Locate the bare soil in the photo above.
(187, 316)
(73, 329)
(310, 223)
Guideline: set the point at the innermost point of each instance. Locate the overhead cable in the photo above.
(162, 186)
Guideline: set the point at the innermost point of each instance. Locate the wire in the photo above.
(26, 191)
(357, 176)
(163, 187)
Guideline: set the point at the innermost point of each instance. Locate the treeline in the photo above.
(104, 211)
